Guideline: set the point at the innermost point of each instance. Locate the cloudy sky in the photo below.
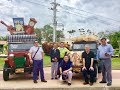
(96, 15)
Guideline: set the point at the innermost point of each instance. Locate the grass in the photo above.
(47, 62)
(1, 63)
(116, 63)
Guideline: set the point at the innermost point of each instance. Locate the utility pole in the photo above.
(54, 8)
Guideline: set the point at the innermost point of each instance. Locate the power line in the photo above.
(67, 11)
(78, 14)
(36, 3)
(92, 13)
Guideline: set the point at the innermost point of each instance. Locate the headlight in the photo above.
(11, 55)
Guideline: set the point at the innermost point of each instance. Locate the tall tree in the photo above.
(39, 34)
(59, 34)
(46, 34)
(114, 37)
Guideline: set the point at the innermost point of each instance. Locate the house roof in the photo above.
(3, 42)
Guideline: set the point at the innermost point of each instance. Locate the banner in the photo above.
(19, 24)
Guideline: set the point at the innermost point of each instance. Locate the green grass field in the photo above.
(1, 62)
(116, 63)
(47, 62)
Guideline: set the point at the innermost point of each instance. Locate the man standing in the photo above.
(63, 50)
(55, 55)
(88, 59)
(105, 52)
(66, 69)
(36, 55)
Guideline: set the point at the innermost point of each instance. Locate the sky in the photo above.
(96, 15)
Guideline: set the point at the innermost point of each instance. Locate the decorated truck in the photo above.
(19, 41)
(78, 46)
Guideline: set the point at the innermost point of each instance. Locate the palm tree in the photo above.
(71, 32)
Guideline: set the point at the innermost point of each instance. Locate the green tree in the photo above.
(3, 38)
(59, 34)
(39, 34)
(46, 34)
(114, 37)
(5, 48)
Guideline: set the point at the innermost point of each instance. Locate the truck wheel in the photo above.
(5, 73)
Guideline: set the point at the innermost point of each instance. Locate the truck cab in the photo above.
(79, 47)
(18, 60)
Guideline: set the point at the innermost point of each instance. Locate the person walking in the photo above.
(88, 69)
(36, 55)
(55, 55)
(105, 51)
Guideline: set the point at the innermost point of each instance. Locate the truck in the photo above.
(78, 46)
(19, 43)
(18, 60)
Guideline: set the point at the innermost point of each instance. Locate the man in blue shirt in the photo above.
(105, 52)
(66, 69)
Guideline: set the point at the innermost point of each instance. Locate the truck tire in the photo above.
(5, 73)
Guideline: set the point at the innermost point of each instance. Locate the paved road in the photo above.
(25, 82)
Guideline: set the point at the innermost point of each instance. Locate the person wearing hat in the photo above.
(105, 51)
(36, 55)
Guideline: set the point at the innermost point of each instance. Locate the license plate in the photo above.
(19, 70)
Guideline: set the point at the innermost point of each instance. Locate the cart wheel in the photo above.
(5, 73)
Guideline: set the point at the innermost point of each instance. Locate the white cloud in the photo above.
(78, 19)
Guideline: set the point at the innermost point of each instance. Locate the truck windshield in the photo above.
(20, 46)
(82, 46)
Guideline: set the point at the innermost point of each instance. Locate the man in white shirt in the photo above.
(36, 55)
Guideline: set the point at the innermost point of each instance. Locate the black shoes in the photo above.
(90, 84)
(56, 78)
(43, 81)
(102, 82)
(52, 78)
(109, 84)
(69, 84)
(85, 83)
(66, 82)
(35, 81)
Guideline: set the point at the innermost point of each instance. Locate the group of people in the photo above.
(61, 65)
